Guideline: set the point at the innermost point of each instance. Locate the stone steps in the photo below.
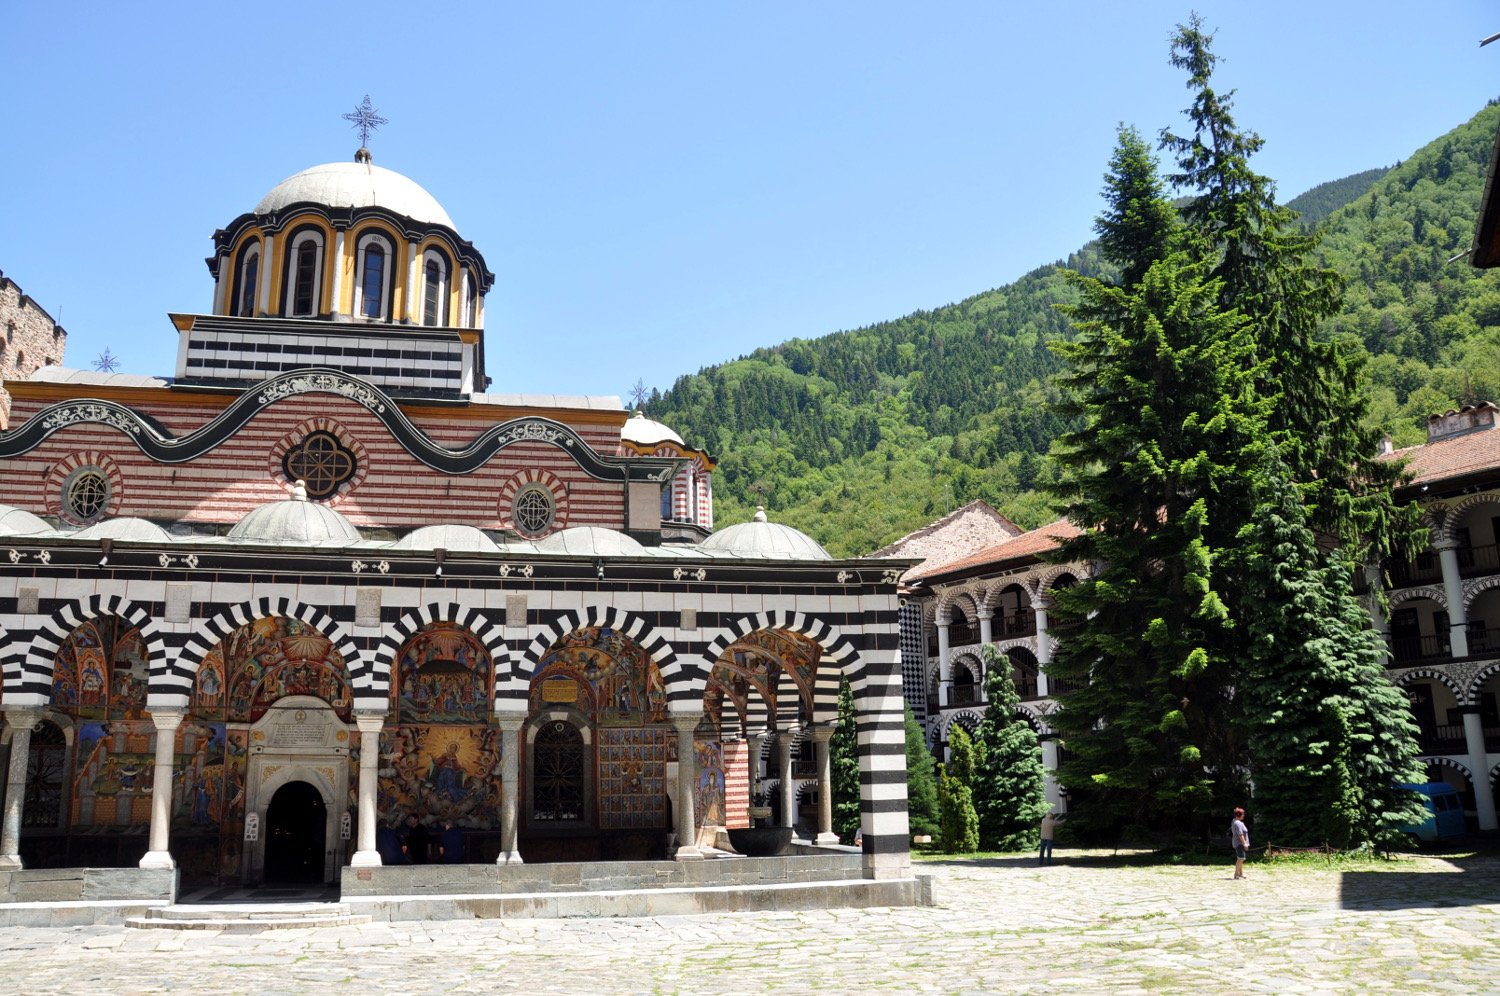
(235, 917)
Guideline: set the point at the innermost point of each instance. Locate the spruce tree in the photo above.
(1009, 788)
(1268, 270)
(959, 821)
(1330, 737)
(921, 781)
(843, 751)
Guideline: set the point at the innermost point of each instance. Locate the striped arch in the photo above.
(513, 693)
(1476, 683)
(1052, 575)
(1457, 509)
(210, 632)
(1447, 681)
(971, 663)
(967, 715)
(804, 790)
(1478, 587)
(1402, 595)
(36, 670)
(12, 656)
(826, 696)
(837, 648)
(1448, 762)
(488, 632)
(964, 598)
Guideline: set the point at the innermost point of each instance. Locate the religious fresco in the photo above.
(100, 671)
(625, 686)
(633, 779)
(268, 659)
(113, 772)
(442, 676)
(441, 772)
(709, 805)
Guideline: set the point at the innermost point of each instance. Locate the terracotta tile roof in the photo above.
(1456, 456)
(1026, 545)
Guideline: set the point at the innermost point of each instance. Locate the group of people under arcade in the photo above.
(410, 842)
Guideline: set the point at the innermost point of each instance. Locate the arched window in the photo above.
(372, 288)
(557, 787)
(666, 501)
(434, 288)
(44, 776)
(304, 273)
(249, 282)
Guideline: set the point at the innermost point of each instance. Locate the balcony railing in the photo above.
(1418, 649)
(1473, 561)
(963, 695)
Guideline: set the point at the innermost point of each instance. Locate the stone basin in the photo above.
(760, 842)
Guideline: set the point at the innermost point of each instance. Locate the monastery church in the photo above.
(324, 577)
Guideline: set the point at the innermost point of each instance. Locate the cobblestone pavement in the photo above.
(1004, 925)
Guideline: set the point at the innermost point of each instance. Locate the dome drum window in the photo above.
(434, 288)
(322, 463)
(304, 274)
(533, 510)
(372, 287)
(248, 273)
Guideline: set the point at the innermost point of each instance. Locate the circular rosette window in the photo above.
(534, 504)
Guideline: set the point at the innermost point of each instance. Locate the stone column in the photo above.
(754, 741)
(1049, 774)
(367, 853)
(784, 739)
(986, 626)
(687, 786)
(267, 269)
(21, 722)
(157, 853)
(510, 786)
(409, 306)
(821, 734)
(1479, 764)
(1043, 649)
(1453, 587)
(945, 668)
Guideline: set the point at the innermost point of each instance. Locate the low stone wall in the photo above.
(599, 876)
(74, 896)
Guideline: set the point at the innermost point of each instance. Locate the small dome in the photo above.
(19, 522)
(356, 185)
(590, 541)
(761, 538)
(127, 528)
(295, 522)
(458, 539)
(642, 431)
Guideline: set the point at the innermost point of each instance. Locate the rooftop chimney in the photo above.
(1461, 421)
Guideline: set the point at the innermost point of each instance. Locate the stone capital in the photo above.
(21, 718)
(822, 732)
(510, 722)
(686, 722)
(369, 722)
(166, 720)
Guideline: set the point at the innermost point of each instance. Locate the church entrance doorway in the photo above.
(296, 825)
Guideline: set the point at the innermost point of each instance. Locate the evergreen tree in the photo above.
(1268, 270)
(1330, 736)
(921, 781)
(960, 822)
(843, 751)
(1009, 791)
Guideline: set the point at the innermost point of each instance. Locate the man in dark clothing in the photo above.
(416, 841)
(451, 844)
(388, 843)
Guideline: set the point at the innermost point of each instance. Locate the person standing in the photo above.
(451, 843)
(1239, 839)
(416, 841)
(1049, 833)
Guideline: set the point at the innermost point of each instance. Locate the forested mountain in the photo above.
(861, 436)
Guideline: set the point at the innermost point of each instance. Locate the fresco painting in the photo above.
(263, 661)
(632, 779)
(100, 671)
(113, 773)
(441, 772)
(710, 796)
(627, 686)
(442, 676)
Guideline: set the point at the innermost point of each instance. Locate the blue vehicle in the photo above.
(1445, 813)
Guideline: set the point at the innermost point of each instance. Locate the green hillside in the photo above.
(861, 436)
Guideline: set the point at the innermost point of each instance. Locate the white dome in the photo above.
(590, 541)
(356, 185)
(127, 528)
(644, 432)
(19, 522)
(760, 538)
(295, 522)
(447, 536)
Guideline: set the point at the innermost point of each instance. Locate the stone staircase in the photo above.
(247, 917)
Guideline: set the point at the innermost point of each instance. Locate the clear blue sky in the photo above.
(660, 186)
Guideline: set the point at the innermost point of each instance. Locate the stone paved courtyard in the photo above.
(1004, 925)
